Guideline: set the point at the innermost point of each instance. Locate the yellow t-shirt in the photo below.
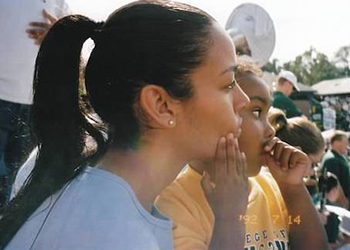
(267, 221)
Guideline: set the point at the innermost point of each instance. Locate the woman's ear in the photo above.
(158, 107)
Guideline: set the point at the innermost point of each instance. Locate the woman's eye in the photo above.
(232, 84)
(257, 112)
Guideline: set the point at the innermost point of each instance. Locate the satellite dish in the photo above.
(253, 33)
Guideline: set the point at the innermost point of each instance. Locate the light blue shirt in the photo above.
(97, 210)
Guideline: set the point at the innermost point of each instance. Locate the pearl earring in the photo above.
(171, 122)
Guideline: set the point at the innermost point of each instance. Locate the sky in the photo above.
(299, 24)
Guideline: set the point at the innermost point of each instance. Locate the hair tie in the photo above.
(99, 25)
(96, 33)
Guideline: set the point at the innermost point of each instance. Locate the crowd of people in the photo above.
(167, 140)
(328, 180)
(341, 105)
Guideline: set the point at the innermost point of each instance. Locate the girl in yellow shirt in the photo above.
(263, 212)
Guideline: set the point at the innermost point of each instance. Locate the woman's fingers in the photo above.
(236, 163)
(244, 167)
(35, 32)
(230, 162)
(220, 160)
(239, 160)
(52, 19)
(231, 155)
(40, 25)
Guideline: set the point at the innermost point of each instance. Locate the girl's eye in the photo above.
(257, 112)
(232, 84)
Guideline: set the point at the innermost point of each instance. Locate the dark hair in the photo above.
(146, 42)
(297, 131)
(338, 136)
(330, 182)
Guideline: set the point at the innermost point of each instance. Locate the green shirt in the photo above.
(338, 165)
(284, 103)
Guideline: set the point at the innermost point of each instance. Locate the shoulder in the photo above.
(185, 203)
(266, 177)
(278, 96)
(330, 159)
(280, 99)
(329, 156)
(95, 211)
(183, 194)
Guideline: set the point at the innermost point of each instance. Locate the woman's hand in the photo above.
(38, 30)
(287, 164)
(228, 198)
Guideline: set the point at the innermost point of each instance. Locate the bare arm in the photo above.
(309, 234)
(288, 165)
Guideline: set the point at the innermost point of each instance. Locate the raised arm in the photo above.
(288, 165)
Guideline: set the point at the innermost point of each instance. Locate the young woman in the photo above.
(161, 79)
(278, 212)
(302, 133)
(299, 132)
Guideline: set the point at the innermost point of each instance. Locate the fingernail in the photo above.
(229, 136)
(223, 139)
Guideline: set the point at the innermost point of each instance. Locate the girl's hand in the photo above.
(287, 164)
(228, 198)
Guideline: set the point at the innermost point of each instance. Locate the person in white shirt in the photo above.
(23, 24)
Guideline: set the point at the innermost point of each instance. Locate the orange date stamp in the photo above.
(254, 219)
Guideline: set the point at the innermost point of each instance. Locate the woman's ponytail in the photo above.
(56, 114)
(297, 131)
(278, 120)
(59, 123)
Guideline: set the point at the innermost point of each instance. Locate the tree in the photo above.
(342, 59)
(312, 67)
(272, 67)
